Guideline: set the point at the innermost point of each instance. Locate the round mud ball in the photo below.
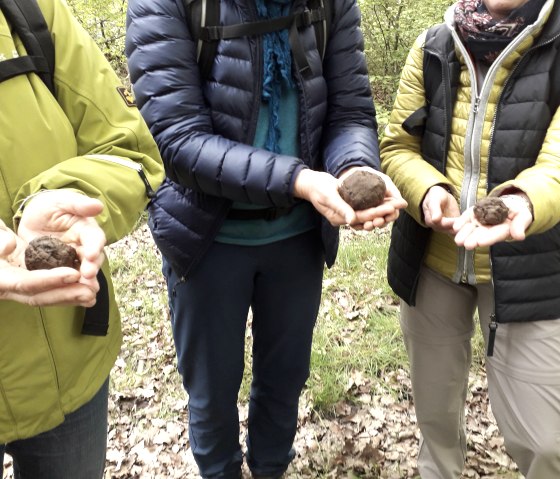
(46, 252)
(490, 211)
(363, 189)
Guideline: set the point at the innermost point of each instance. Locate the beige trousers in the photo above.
(523, 379)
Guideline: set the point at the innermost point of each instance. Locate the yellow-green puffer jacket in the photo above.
(403, 162)
(91, 140)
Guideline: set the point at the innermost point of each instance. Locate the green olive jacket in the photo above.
(91, 139)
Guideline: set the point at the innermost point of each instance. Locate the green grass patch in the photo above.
(357, 337)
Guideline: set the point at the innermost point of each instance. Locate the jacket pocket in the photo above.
(415, 124)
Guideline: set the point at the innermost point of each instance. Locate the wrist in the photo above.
(444, 186)
(301, 183)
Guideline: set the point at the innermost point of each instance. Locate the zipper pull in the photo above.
(492, 337)
(476, 104)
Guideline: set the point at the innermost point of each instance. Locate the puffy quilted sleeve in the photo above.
(162, 62)
(401, 159)
(350, 134)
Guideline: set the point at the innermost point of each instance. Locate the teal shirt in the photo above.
(303, 217)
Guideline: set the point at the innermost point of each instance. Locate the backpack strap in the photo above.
(27, 20)
(203, 18)
(201, 13)
(260, 27)
(322, 29)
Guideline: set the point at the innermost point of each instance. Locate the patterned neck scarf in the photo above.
(484, 36)
(277, 66)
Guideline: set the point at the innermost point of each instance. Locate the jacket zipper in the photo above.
(465, 261)
(472, 186)
(49, 346)
(150, 193)
(257, 99)
(303, 137)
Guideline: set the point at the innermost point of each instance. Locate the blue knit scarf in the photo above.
(277, 65)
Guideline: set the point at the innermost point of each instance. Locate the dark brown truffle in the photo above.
(46, 252)
(490, 211)
(363, 189)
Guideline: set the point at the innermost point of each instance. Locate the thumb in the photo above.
(85, 206)
(433, 208)
(8, 242)
(344, 210)
(519, 224)
(350, 217)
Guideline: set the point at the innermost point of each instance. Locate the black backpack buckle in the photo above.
(309, 17)
(210, 33)
(306, 18)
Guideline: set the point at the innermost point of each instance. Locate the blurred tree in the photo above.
(105, 22)
(390, 27)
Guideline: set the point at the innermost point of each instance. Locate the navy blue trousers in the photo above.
(281, 284)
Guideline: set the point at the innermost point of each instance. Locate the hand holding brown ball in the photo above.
(362, 190)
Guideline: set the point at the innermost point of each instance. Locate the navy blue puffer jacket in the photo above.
(204, 129)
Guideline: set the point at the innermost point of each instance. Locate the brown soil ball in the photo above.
(490, 211)
(46, 252)
(363, 189)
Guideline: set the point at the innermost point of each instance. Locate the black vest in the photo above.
(526, 274)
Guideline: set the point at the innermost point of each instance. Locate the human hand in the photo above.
(321, 190)
(383, 214)
(440, 210)
(471, 234)
(70, 217)
(58, 286)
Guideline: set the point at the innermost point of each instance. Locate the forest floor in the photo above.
(370, 434)
(375, 437)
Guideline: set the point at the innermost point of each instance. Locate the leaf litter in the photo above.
(373, 435)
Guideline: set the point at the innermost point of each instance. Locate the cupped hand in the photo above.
(440, 209)
(69, 216)
(58, 286)
(471, 234)
(321, 190)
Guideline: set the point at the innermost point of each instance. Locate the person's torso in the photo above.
(237, 75)
(496, 130)
(47, 367)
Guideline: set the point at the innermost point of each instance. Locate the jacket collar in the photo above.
(551, 15)
(549, 19)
